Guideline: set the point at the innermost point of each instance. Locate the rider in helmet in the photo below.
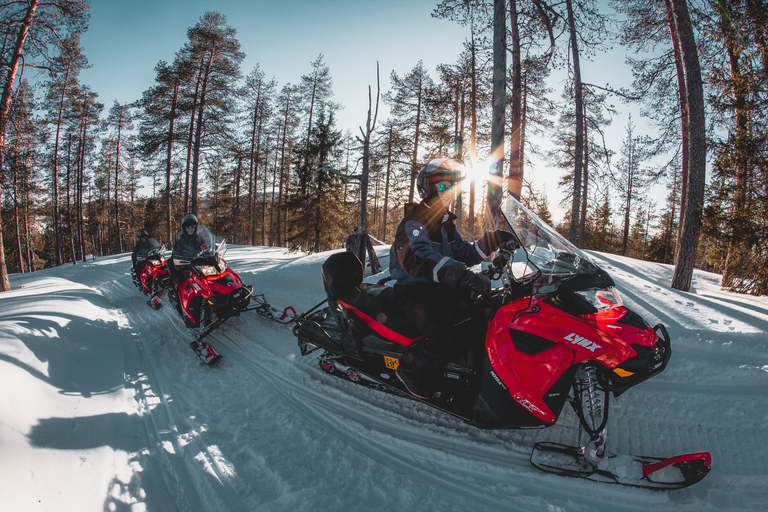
(144, 244)
(430, 263)
(188, 242)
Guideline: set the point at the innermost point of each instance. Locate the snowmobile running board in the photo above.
(636, 471)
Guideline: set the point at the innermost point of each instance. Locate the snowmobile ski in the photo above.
(205, 352)
(636, 471)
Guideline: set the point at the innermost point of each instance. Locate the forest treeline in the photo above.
(264, 163)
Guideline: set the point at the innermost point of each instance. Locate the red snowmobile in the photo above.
(207, 292)
(153, 279)
(554, 332)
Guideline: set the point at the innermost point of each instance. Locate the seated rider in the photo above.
(434, 286)
(144, 245)
(193, 240)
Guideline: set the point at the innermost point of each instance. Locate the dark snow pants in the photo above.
(435, 309)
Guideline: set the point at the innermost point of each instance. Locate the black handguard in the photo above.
(507, 240)
(503, 256)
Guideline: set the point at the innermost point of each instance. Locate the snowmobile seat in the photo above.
(342, 276)
(372, 304)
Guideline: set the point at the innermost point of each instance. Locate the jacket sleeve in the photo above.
(466, 252)
(417, 256)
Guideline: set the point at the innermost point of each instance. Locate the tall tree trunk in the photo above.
(29, 250)
(684, 116)
(386, 185)
(80, 192)
(579, 112)
(117, 184)
(169, 160)
(691, 222)
(253, 168)
(5, 104)
(515, 183)
(584, 186)
(236, 206)
(199, 138)
(264, 195)
(272, 201)
(458, 146)
(279, 239)
(17, 230)
(497, 116)
(69, 201)
(737, 247)
(55, 175)
(472, 135)
(191, 140)
(370, 126)
(415, 155)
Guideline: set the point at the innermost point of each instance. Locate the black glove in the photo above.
(460, 276)
(478, 284)
(492, 240)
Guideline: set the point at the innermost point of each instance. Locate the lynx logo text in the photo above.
(575, 339)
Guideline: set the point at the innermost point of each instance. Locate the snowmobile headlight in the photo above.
(221, 263)
(209, 270)
(603, 299)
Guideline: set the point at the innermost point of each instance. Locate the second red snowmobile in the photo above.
(555, 332)
(207, 291)
(153, 277)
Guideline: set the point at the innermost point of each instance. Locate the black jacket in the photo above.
(427, 243)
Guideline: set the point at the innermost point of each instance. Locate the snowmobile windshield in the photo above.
(547, 250)
(200, 244)
(144, 248)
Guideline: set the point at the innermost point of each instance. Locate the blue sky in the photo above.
(127, 38)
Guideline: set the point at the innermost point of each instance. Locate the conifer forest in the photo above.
(264, 163)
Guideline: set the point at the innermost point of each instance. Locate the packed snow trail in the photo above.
(106, 407)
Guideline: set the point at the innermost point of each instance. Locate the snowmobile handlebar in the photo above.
(499, 262)
(501, 269)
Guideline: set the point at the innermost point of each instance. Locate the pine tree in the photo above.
(19, 179)
(661, 248)
(316, 222)
(632, 178)
(601, 235)
(214, 53)
(66, 69)
(258, 95)
(51, 23)
(695, 128)
(160, 109)
(740, 155)
(407, 100)
(118, 122)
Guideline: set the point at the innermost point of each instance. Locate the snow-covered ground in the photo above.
(103, 406)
